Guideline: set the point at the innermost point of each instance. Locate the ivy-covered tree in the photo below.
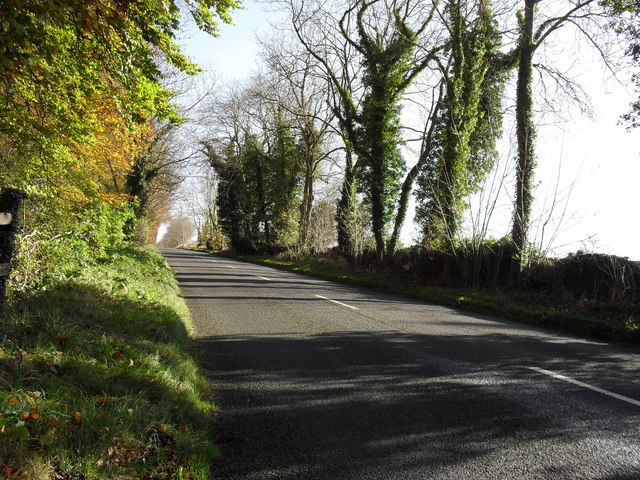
(283, 184)
(531, 38)
(387, 42)
(293, 85)
(241, 199)
(625, 19)
(468, 123)
(255, 153)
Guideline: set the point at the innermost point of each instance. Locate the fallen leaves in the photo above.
(33, 414)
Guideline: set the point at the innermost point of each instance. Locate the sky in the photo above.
(588, 167)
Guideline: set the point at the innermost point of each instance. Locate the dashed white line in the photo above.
(263, 278)
(339, 303)
(229, 266)
(586, 385)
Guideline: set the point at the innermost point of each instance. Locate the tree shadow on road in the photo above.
(387, 405)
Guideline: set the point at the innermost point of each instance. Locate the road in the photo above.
(317, 380)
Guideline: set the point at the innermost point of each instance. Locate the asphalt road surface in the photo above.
(317, 380)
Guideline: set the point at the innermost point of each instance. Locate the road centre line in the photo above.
(229, 266)
(586, 385)
(263, 278)
(339, 303)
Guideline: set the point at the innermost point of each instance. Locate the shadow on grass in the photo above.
(104, 367)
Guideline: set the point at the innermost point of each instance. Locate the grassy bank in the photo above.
(96, 381)
(602, 321)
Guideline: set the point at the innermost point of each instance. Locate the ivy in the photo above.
(467, 127)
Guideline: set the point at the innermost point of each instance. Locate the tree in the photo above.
(255, 153)
(79, 83)
(468, 120)
(58, 57)
(389, 44)
(530, 40)
(625, 16)
(294, 86)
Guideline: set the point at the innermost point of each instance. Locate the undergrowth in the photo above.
(602, 322)
(96, 381)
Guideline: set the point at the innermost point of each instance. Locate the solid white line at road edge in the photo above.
(339, 303)
(586, 385)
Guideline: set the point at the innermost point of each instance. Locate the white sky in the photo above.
(596, 160)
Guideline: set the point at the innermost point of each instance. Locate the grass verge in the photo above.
(606, 324)
(96, 380)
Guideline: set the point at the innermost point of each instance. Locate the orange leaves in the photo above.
(103, 159)
(33, 414)
(115, 199)
(8, 471)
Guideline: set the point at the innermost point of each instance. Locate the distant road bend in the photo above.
(317, 380)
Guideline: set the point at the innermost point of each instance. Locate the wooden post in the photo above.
(10, 202)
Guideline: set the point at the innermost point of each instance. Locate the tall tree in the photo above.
(625, 19)
(59, 56)
(530, 40)
(466, 128)
(255, 152)
(296, 88)
(389, 43)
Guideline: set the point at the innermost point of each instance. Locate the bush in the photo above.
(54, 246)
(589, 277)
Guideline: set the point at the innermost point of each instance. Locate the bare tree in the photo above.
(292, 83)
(369, 52)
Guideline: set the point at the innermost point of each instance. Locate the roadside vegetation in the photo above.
(580, 294)
(362, 106)
(96, 380)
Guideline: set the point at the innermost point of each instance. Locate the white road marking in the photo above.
(264, 278)
(586, 385)
(339, 303)
(229, 266)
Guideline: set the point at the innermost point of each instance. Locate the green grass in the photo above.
(96, 380)
(607, 324)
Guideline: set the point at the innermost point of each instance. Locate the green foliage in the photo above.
(389, 67)
(259, 189)
(97, 381)
(59, 57)
(283, 184)
(625, 20)
(526, 135)
(56, 243)
(467, 127)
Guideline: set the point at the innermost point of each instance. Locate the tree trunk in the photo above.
(344, 210)
(306, 205)
(525, 136)
(407, 185)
